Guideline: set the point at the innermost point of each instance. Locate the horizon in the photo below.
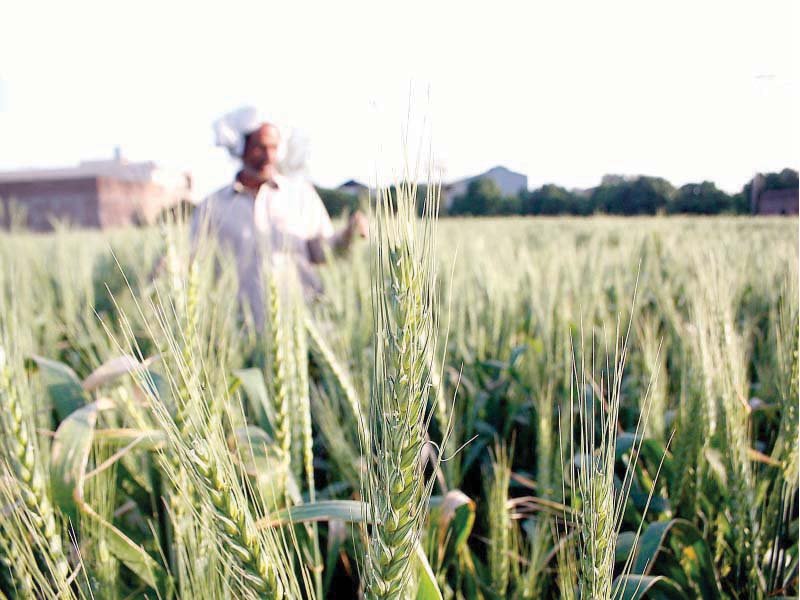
(561, 95)
(421, 180)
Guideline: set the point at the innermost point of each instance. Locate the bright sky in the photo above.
(562, 91)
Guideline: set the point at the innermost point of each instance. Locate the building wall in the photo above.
(131, 202)
(74, 201)
(83, 202)
(778, 202)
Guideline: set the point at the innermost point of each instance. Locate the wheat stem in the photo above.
(22, 453)
(398, 409)
(235, 524)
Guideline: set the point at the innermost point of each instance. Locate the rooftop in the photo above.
(117, 168)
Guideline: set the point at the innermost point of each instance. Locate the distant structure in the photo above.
(509, 182)
(772, 202)
(94, 194)
(354, 188)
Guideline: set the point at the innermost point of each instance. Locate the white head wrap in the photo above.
(231, 129)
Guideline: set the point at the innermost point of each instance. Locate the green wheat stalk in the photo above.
(403, 300)
(499, 520)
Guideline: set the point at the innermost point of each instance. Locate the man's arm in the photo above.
(356, 226)
(323, 235)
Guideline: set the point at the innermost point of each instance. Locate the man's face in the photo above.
(261, 151)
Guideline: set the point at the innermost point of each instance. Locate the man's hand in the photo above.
(358, 224)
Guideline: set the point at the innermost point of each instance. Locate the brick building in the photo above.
(96, 194)
(772, 202)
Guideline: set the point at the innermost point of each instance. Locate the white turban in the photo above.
(231, 129)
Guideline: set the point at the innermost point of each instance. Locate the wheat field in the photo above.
(477, 408)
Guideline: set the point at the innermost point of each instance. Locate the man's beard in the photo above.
(263, 174)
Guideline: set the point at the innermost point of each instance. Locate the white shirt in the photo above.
(285, 219)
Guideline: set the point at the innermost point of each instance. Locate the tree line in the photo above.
(616, 195)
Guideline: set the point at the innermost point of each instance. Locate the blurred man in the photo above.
(267, 212)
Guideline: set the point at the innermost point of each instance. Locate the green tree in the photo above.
(553, 200)
(637, 196)
(785, 180)
(700, 199)
(483, 197)
(337, 202)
